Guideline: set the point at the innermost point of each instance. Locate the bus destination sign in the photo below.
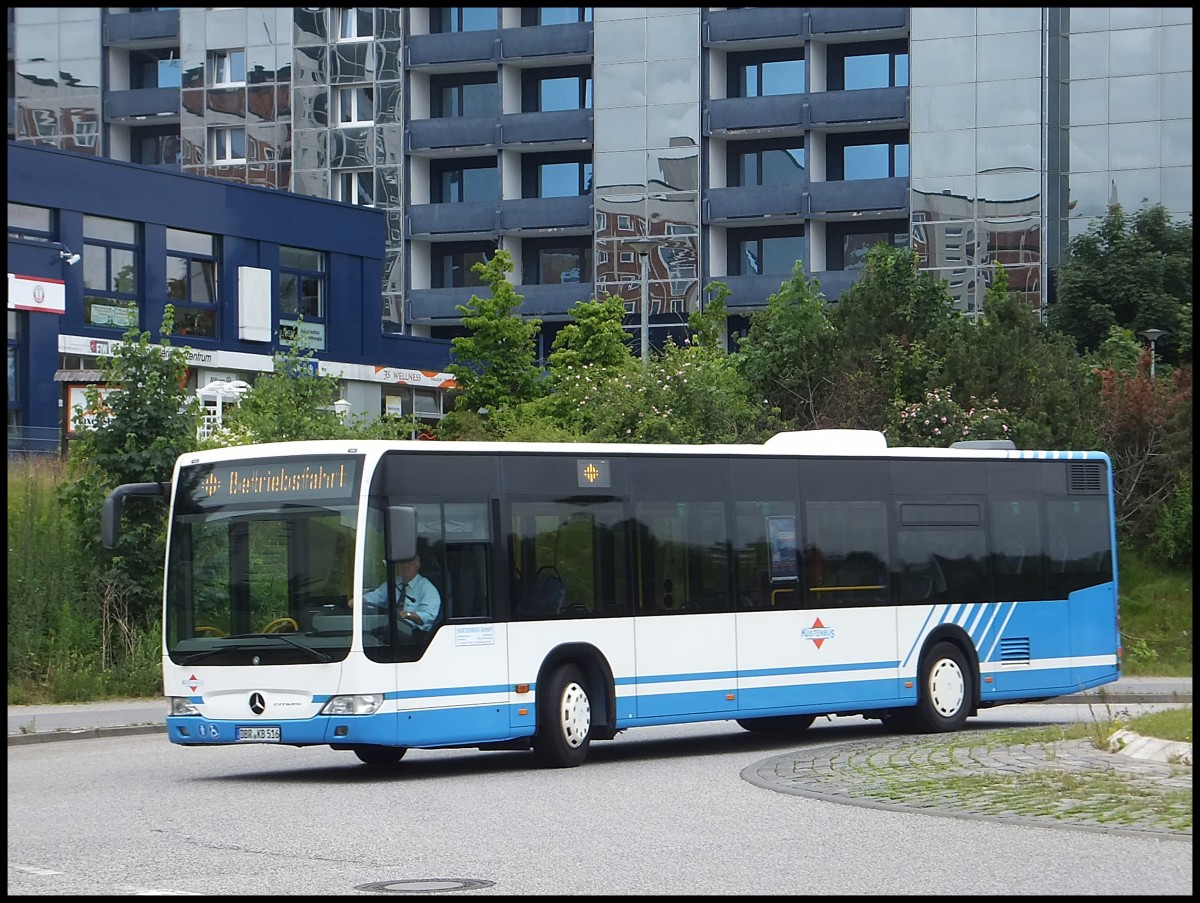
(277, 481)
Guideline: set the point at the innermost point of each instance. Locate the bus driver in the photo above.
(417, 597)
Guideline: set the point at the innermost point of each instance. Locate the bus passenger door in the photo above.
(685, 636)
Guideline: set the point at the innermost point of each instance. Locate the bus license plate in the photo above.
(258, 735)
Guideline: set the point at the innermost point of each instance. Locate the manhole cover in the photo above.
(425, 885)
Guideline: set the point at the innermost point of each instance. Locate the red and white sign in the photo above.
(32, 293)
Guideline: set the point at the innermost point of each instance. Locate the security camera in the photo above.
(70, 258)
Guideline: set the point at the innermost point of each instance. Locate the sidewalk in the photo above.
(120, 717)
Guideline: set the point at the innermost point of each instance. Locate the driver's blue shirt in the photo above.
(418, 595)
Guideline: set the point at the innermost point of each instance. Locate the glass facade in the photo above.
(997, 134)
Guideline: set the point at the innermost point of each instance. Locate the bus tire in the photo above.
(778, 724)
(380, 755)
(945, 694)
(564, 719)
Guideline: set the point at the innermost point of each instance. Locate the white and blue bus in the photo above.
(591, 588)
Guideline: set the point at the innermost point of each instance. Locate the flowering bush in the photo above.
(939, 420)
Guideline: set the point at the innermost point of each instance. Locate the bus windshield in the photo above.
(261, 561)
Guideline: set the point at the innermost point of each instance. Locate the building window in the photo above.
(554, 15)
(857, 67)
(302, 282)
(556, 176)
(111, 266)
(192, 282)
(767, 163)
(556, 261)
(547, 90)
(356, 105)
(463, 18)
(847, 246)
(867, 158)
(157, 146)
(25, 221)
(767, 73)
(765, 252)
(456, 96)
(156, 69)
(464, 181)
(227, 145)
(354, 186)
(227, 67)
(355, 23)
(452, 263)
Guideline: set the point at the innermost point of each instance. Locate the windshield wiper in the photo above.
(240, 647)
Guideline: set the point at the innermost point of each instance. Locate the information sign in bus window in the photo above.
(593, 473)
(286, 480)
(781, 536)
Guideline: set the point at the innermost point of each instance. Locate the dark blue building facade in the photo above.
(96, 246)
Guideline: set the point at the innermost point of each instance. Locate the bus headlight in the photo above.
(181, 706)
(359, 704)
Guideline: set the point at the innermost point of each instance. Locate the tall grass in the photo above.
(1155, 613)
(64, 644)
(57, 650)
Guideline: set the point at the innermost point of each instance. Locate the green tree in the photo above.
(496, 364)
(787, 355)
(143, 423)
(1032, 372)
(1129, 271)
(891, 326)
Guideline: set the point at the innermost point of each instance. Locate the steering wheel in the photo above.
(279, 623)
(208, 630)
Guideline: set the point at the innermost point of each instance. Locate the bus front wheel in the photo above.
(564, 720)
(946, 691)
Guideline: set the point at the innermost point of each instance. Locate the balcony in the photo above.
(553, 130)
(756, 28)
(852, 199)
(456, 134)
(752, 292)
(427, 305)
(878, 23)
(534, 214)
(453, 51)
(776, 202)
(556, 300)
(468, 220)
(870, 106)
(142, 30)
(159, 104)
(782, 114)
(564, 44)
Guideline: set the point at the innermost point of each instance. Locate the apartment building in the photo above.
(739, 139)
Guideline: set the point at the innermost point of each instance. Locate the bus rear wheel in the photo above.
(564, 720)
(945, 694)
(778, 724)
(380, 755)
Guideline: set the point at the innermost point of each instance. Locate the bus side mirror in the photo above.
(110, 515)
(401, 532)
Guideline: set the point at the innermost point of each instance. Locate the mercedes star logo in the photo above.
(258, 705)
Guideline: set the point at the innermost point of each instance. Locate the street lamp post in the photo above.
(643, 247)
(1153, 335)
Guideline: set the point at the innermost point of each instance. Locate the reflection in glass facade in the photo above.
(1027, 124)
